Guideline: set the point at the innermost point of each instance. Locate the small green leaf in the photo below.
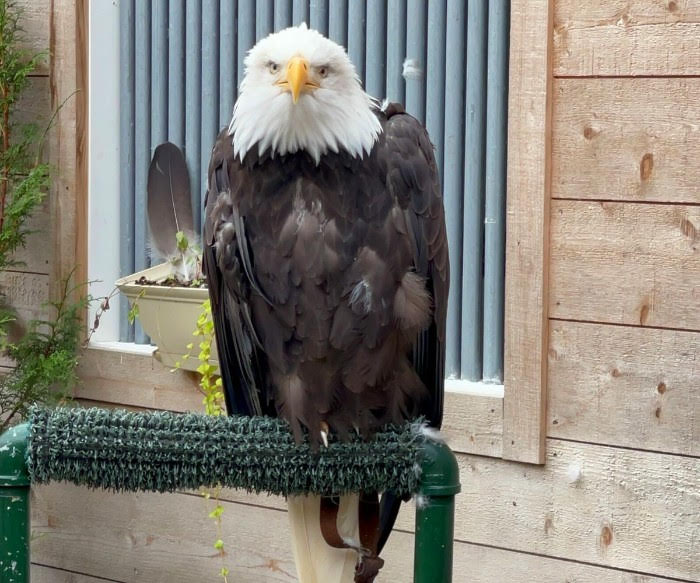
(217, 512)
(182, 242)
(219, 544)
(133, 313)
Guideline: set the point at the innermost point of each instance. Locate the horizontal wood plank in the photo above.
(630, 387)
(620, 508)
(627, 37)
(135, 380)
(42, 574)
(472, 424)
(625, 263)
(626, 139)
(150, 538)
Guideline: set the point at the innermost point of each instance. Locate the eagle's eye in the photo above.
(323, 71)
(273, 67)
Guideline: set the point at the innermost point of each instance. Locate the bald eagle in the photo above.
(327, 264)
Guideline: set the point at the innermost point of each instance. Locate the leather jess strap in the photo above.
(369, 563)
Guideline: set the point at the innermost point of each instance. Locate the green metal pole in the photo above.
(14, 506)
(435, 515)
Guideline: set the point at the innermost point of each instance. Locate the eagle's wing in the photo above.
(414, 180)
(226, 263)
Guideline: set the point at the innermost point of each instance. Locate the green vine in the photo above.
(211, 386)
(210, 383)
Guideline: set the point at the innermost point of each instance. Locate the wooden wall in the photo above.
(27, 286)
(618, 500)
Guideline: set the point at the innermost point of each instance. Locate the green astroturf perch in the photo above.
(163, 452)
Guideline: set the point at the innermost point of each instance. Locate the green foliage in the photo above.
(44, 352)
(210, 383)
(23, 178)
(46, 360)
(211, 386)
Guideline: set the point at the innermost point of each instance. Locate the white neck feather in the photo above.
(321, 122)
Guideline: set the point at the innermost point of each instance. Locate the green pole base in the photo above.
(14, 506)
(435, 515)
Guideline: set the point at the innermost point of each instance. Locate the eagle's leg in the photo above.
(316, 560)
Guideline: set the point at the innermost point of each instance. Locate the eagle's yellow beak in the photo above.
(297, 79)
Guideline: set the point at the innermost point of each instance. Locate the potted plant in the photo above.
(168, 298)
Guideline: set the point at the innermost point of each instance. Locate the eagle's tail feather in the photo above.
(316, 560)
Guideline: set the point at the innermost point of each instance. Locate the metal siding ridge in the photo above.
(176, 73)
(159, 72)
(338, 22)
(283, 14)
(210, 91)
(300, 12)
(246, 34)
(126, 155)
(264, 18)
(395, 50)
(435, 87)
(375, 61)
(453, 178)
(495, 187)
(356, 36)
(227, 60)
(318, 16)
(193, 97)
(473, 237)
(414, 65)
(142, 132)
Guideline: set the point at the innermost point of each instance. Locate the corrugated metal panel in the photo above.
(495, 188)
(193, 96)
(142, 137)
(264, 18)
(375, 48)
(318, 16)
(414, 64)
(453, 177)
(395, 50)
(338, 21)
(300, 12)
(176, 72)
(210, 88)
(227, 60)
(473, 215)
(126, 152)
(356, 35)
(283, 14)
(445, 59)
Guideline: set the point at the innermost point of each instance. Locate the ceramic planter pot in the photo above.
(168, 315)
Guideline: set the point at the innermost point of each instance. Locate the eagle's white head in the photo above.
(301, 92)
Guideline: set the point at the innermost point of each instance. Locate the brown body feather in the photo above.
(329, 283)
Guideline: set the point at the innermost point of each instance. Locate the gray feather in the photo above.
(169, 203)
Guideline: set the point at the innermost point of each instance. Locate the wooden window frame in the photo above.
(478, 420)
